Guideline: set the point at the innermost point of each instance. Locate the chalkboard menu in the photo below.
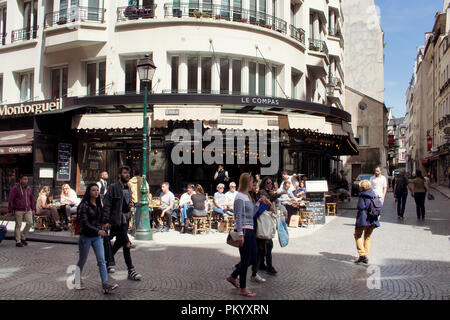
(64, 162)
(317, 205)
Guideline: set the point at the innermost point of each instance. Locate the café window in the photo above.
(237, 73)
(192, 74)
(26, 86)
(175, 62)
(96, 78)
(206, 74)
(252, 78)
(363, 135)
(224, 75)
(58, 79)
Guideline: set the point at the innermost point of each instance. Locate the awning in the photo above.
(314, 123)
(316, 67)
(16, 137)
(186, 112)
(108, 121)
(248, 122)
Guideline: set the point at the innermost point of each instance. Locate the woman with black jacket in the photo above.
(90, 217)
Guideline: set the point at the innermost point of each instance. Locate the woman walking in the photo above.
(365, 223)
(419, 189)
(91, 233)
(245, 209)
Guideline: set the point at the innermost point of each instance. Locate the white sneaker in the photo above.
(257, 278)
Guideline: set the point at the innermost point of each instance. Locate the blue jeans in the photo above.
(223, 213)
(186, 210)
(84, 245)
(137, 212)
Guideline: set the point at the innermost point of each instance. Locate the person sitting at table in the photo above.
(186, 205)
(300, 192)
(44, 208)
(285, 177)
(199, 204)
(220, 202)
(286, 198)
(167, 202)
(69, 202)
(231, 194)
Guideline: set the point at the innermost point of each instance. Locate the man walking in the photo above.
(379, 184)
(116, 217)
(401, 193)
(135, 185)
(103, 184)
(21, 204)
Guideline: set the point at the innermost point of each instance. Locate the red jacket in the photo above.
(21, 199)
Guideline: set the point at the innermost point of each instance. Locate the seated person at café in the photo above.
(285, 177)
(44, 208)
(186, 205)
(220, 202)
(286, 199)
(231, 194)
(199, 204)
(167, 202)
(300, 192)
(69, 202)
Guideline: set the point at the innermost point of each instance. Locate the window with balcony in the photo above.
(206, 74)
(96, 78)
(192, 74)
(237, 76)
(253, 12)
(2, 25)
(175, 62)
(363, 135)
(30, 22)
(58, 80)
(262, 79)
(26, 86)
(224, 75)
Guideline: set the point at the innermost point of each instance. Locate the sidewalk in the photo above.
(443, 190)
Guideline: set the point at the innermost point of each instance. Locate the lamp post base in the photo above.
(144, 235)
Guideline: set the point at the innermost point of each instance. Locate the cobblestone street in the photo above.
(412, 256)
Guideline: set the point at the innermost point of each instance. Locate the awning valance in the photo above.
(314, 123)
(16, 137)
(108, 121)
(238, 121)
(186, 112)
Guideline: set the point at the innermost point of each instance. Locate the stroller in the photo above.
(3, 230)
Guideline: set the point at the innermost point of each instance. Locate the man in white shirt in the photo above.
(231, 194)
(379, 184)
(285, 176)
(186, 205)
(167, 202)
(103, 184)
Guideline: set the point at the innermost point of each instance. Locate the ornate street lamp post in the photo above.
(146, 69)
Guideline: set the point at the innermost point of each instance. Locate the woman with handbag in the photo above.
(419, 189)
(245, 209)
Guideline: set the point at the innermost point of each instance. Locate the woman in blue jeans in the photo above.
(90, 216)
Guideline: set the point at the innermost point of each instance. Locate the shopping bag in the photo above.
(233, 239)
(267, 226)
(283, 234)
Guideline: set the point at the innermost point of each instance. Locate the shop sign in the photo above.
(256, 100)
(391, 141)
(16, 150)
(31, 108)
(429, 143)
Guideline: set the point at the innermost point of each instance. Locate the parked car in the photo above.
(355, 184)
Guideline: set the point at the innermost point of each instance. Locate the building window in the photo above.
(58, 79)
(130, 76)
(96, 78)
(175, 63)
(192, 74)
(261, 79)
(224, 75)
(30, 19)
(237, 73)
(363, 135)
(26, 85)
(274, 81)
(2, 25)
(206, 74)
(252, 78)
(1, 89)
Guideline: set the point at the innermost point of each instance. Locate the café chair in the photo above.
(331, 208)
(199, 224)
(41, 223)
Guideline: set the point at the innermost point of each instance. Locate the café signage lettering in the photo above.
(30, 109)
(15, 150)
(256, 100)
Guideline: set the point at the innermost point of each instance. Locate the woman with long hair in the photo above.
(69, 202)
(43, 208)
(419, 189)
(91, 234)
(245, 209)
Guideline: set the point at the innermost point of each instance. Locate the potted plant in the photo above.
(268, 26)
(62, 20)
(197, 14)
(244, 20)
(217, 16)
(131, 13)
(145, 13)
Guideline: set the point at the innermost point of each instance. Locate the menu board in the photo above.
(317, 205)
(64, 162)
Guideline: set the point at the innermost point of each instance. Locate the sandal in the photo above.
(233, 281)
(248, 294)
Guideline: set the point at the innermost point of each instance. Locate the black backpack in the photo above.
(374, 208)
(401, 185)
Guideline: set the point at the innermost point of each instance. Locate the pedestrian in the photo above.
(379, 184)
(91, 234)
(394, 181)
(419, 189)
(135, 185)
(21, 205)
(103, 184)
(401, 193)
(116, 217)
(220, 177)
(365, 223)
(245, 210)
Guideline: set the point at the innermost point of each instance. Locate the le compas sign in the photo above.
(28, 109)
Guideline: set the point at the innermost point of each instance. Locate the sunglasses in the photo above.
(269, 182)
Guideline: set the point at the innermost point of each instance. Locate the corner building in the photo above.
(236, 64)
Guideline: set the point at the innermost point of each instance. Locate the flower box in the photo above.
(244, 20)
(131, 13)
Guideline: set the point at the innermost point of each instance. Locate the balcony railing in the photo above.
(227, 13)
(334, 81)
(79, 14)
(318, 45)
(24, 34)
(133, 13)
(335, 32)
(297, 33)
(2, 39)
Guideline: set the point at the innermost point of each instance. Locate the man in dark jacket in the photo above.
(117, 206)
(401, 193)
(21, 204)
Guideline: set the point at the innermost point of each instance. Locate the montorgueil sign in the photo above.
(33, 108)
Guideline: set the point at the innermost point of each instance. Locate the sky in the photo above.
(404, 23)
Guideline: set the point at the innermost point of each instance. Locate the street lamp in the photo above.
(146, 69)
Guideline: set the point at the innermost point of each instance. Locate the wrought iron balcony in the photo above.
(24, 34)
(75, 14)
(318, 45)
(228, 13)
(133, 13)
(334, 81)
(297, 33)
(3, 39)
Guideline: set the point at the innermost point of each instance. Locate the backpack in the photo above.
(402, 185)
(374, 208)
